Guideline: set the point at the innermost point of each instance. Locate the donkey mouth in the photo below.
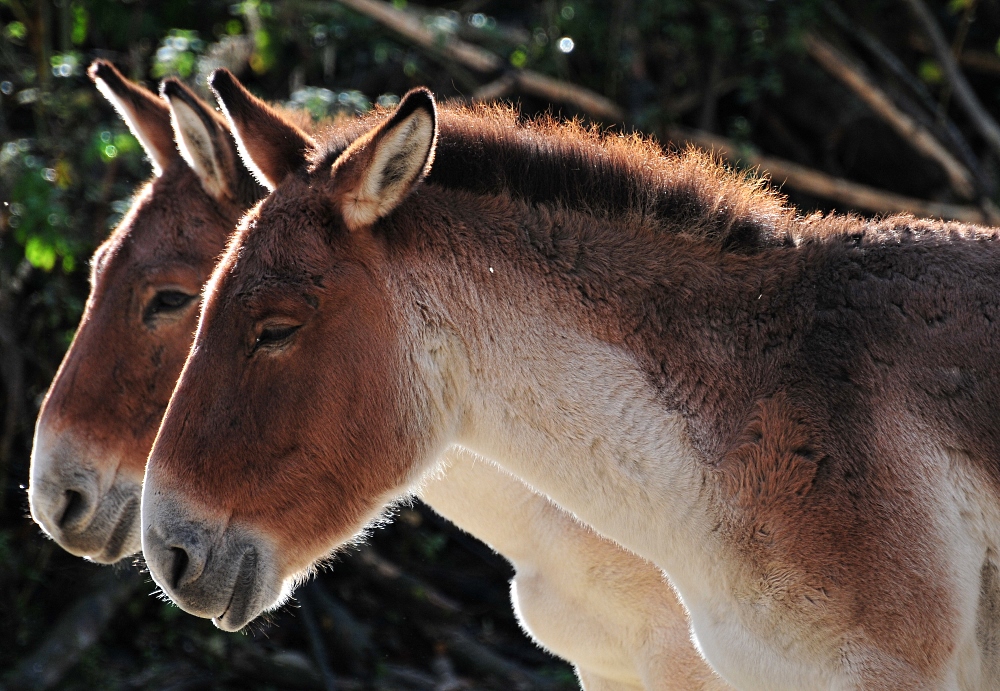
(102, 528)
(238, 611)
(123, 539)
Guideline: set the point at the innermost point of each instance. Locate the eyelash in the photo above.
(165, 302)
(270, 337)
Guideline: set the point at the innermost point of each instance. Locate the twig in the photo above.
(482, 60)
(12, 371)
(828, 187)
(466, 649)
(895, 66)
(496, 89)
(447, 680)
(980, 60)
(557, 90)
(11, 368)
(307, 610)
(834, 62)
(77, 630)
(19, 11)
(411, 585)
(350, 636)
(476, 657)
(286, 669)
(706, 119)
(964, 94)
(956, 49)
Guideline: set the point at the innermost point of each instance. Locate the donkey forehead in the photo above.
(296, 230)
(169, 220)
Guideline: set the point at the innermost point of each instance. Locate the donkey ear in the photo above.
(146, 116)
(271, 147)
(203, 139)
(376, 173)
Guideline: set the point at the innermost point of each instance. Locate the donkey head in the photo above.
(101, 414)
(292, 424)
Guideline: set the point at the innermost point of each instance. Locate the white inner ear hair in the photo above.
(195, 143)
(155, 156)
(399, 160)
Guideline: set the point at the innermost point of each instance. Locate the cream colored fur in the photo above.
(581, 424)
(376, 194)
(577, 594)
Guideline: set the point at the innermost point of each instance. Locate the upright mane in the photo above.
(492, 150)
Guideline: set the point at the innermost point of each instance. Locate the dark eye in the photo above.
(272, 336)
(166, 301)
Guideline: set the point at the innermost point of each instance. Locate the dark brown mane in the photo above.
(490, 150)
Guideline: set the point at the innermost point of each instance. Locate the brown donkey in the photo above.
(605, 610)
(100, 416)
(796, 418)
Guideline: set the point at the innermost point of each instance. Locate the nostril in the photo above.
(180, 565)
(75, 507)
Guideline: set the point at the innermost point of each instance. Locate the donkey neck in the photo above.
(563, 321)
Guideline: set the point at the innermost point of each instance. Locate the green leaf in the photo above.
(78, 33)
(17, 30)
(40, 253)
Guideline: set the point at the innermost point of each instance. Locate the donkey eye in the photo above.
(274, 336)
(166, 301)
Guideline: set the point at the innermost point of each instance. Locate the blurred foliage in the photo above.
(68, 168)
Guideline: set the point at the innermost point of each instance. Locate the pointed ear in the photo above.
(271, 147)
(376, 173)
(146, 116)
(203, 139)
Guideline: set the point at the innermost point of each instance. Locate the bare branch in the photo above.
(315, 636)
(838, 65)
(964, 94)
(285, 669)
(482, 60)
(828, 187)
(351, 638)
(77, 630)
(412, 28)
(416, 589)
(557, 90)
(470, 653)
(980, 60)
(496, 89)
(945, 128)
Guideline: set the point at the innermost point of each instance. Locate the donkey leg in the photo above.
(595, 682)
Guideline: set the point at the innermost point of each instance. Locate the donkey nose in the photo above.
(179, 555)
(63, 511)
(75, 508)
(182, 569)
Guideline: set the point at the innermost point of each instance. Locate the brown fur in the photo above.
(168, 241)
(132, 256)
(146, 115)
(816, 362)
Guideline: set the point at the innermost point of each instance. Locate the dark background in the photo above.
(422, 606)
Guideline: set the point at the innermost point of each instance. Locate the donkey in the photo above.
(604, 609)
(100, 416)
(794, 417)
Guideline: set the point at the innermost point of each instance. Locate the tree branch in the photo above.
(964, 94)
(828, 187)
(314, 634)
(480, 659)
(77, 630)
(482, 60)
(838, 65)
(948, 131)
(351, 637)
